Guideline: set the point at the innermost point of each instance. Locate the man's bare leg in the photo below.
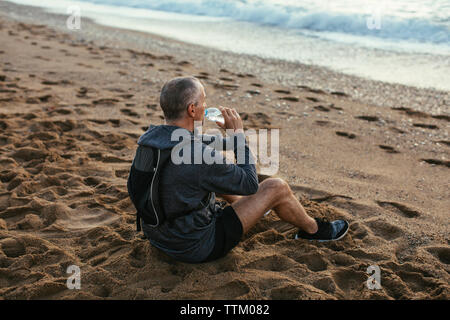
(229, 198)
(273, 193)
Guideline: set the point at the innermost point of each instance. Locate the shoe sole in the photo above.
(343, 235)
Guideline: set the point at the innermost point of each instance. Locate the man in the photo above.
(205, 231)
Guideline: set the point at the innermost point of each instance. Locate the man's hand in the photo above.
(232, 120)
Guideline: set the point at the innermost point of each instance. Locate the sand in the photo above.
(71, 111)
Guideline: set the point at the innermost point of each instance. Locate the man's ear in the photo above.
(191, 110)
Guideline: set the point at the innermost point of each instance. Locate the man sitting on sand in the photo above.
(206, 231)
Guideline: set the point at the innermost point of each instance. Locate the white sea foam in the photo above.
(412, 21)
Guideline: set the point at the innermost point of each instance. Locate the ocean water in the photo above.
(399, 41)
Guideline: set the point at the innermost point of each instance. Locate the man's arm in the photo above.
(237, 179)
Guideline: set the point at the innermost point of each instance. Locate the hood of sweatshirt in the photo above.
(163, 136)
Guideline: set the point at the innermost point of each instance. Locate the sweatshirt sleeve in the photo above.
(218, 142)
(225, 178)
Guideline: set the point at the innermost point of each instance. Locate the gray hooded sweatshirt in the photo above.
(186, 187)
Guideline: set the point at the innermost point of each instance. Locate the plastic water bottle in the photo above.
(214, 114)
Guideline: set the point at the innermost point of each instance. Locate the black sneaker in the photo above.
(328, 231)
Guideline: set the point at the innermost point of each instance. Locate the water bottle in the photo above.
(214, 114)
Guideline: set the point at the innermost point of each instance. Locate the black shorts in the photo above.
(228, 233)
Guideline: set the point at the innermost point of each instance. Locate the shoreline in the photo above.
(271, 71)
(72, 107)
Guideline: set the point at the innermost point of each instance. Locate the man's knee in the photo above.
(276, 186)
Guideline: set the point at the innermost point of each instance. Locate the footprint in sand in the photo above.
(9, 99)
(12, 247)
(297, 291)
(32, 101)
(322, 108)
(396, 130)
(41, 58)
(388, 149)
(98, 121)
(45, 98)
(91, 181)
(3, 125)
(246, 75)
(232, 290)
(226, 86)
(441, 117)
(325, 123)
(350, 280)
(253, 92)
(358, 230)
(445, 163)
(276, 262)
(441, 253)
(129, 112)
(444, 142)
(368, 118)
(314, 261)
(346, 134)
(411, 112)
(326, 284)
(385, 230)
(282, 91)
(126, 96)
(7, 90)
(66, 125)
(61, 111)
(115, 122)
(114, 159)
(313, 99)
(28, 154)
(153, 107)
(184, 63)
(416, 281)
(289, 98)
(256, 120)
(55, 83)
(122, 173)
(50, 82)
(364, 254)
(98, 156)
(81, 93)
(339, 93)
(116, 90)
(425, 125)
(332, 106)
(3, 140)
(203, 75)
(105, 101)
(400, 208)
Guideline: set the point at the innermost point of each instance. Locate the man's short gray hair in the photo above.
(177, 94)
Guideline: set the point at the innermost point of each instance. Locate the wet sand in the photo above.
(72, 106)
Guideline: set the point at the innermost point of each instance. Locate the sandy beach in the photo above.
(73, 104)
